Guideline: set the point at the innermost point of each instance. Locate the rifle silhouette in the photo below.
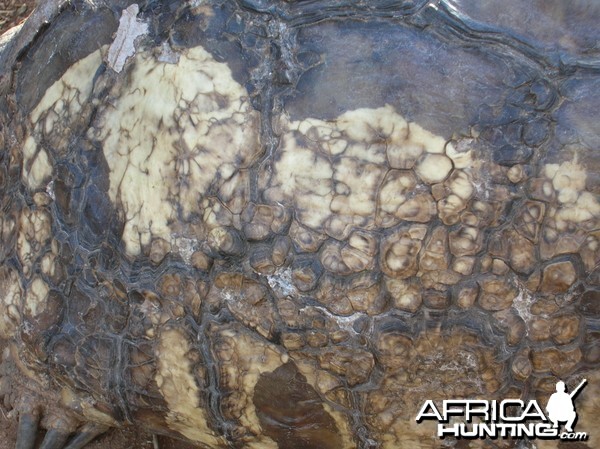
(576, 390)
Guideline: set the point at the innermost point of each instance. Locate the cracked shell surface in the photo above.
(262, 225)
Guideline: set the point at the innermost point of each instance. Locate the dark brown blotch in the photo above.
(291, 412)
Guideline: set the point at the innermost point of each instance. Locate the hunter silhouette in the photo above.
(560, 406)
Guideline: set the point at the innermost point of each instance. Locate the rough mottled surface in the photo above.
(14, 12)
(287, 224)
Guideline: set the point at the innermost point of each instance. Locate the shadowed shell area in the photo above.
(285, 225)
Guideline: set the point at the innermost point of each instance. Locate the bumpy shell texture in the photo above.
(261, 224)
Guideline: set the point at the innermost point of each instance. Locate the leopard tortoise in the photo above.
(274, 224)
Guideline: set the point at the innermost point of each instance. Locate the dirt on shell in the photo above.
(13, 12)
(114, 439)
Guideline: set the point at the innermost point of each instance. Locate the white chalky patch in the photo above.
(168, 134)
(167, 54)
(185, 247)
(344, 322)
(522, 304)
(180, 391)
(281, 281)
(123, 47)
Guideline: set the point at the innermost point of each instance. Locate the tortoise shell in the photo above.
(263, 224)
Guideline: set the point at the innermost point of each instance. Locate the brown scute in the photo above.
(558, 277)
(291, 412)
(590, 303)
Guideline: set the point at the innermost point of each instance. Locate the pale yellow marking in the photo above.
(305, 176)
(48, 263)
(462, 188)
(586, 207)
(33, 234)
(171, 132)
(85, 406)
(576, 203)
(64, 99)
(461, 185)
(179, 389)
(461, 154)
(434, 168)
(395, 189)
(36, 165)
(36, 297)
(431, 142)
(76, 83)
(324, 382)
(568, 179)
(253, 359)
(335, 194)
(10, 300)
(516, 174)
(405, 296)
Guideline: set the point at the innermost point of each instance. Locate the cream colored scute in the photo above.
(36, 165)
(11, 294)
(68, 94)
(180, 391)
(243, 359)
(170, 132)
(577, 205)
(336, 173)
(324, 383)
(37, 295)
(434, 168)
(60, 105)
